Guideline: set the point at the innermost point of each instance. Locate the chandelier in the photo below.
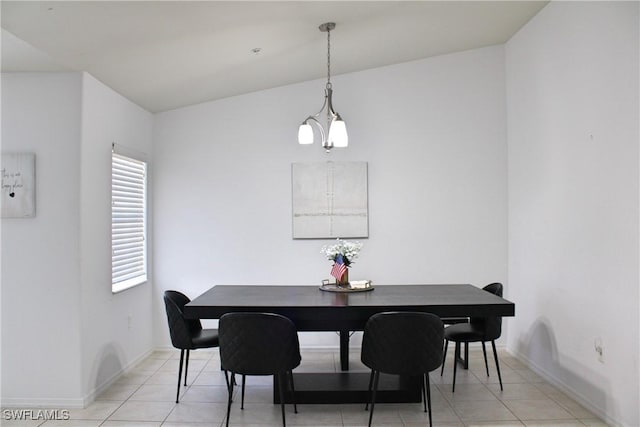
(335, 133)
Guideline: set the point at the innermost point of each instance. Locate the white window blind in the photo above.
(128, 222)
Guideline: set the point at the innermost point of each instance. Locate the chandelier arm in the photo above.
(313, 120)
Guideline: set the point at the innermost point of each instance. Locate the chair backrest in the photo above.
(180, 329)
(258, 343)
(403, 342)
(492, 326)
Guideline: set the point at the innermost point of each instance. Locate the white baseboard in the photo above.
(42, 403)
(97, 391)
(319, 348)
(170, 348)
(573, 394)
(72, 403)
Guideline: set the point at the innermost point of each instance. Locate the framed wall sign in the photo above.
(18, 185)
(330, 200)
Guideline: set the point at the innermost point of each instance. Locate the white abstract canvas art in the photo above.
(330, 200)
(18, 185)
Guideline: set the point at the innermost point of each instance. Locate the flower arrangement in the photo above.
(344, 249)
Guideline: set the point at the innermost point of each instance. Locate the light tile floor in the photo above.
(145, 397)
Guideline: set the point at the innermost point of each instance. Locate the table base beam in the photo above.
(343, 387)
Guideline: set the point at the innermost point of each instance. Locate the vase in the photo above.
(344, 280)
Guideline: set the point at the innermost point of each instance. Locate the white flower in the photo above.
(348, 250)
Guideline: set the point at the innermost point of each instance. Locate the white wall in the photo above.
(65, 336)
(572, 90)
(433, 132)
(110, 341)
(41, 255)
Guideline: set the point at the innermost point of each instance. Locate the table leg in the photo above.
(466, 355)
(458, 358)
(344, 350)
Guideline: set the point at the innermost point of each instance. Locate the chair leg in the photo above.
(457, 358)
(179, 374)
(230, 389)
(444, 356)
(455, 367)
(495, 356)
(366, 407)
(186, 369)
(293, 393)
(428, 386)
(373, 395)
(424, 391)
(244, 377)
(230, 380)
(281, 387)
(484, 352)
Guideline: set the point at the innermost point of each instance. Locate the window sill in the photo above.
(116, 288)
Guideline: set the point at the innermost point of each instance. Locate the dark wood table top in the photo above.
(313, 309)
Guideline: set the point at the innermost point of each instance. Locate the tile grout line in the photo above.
(475, 374)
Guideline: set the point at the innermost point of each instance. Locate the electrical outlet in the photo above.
(599, 349)
(129, 321)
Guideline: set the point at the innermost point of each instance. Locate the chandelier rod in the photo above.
(329, 57)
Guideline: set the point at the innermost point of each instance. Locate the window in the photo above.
(128, 221)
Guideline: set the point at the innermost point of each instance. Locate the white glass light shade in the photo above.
(338, 134)
(305, 134)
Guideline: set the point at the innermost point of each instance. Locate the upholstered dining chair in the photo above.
(448, 321)
(480, 329)
(186, 334)
(259, 344)
(402, 343)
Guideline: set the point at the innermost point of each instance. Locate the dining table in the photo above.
(311, 309)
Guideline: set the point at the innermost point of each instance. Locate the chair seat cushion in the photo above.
(205, 338)
(464, 332)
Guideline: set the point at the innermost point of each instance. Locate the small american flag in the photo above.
(339, 268)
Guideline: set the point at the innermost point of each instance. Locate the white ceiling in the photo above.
(167, 54)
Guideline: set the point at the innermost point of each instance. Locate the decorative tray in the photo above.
(353, 286)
